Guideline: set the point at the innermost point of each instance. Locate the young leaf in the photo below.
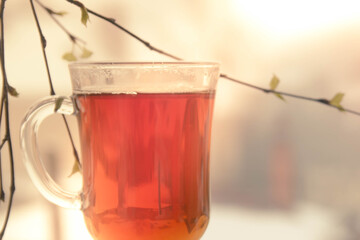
(61, 13)
(84, 12)
(273, 85)
(280, 96)
(12, 91)
(86, 53)
(69, 56)
(336, 100)
(274, 82)
(75, 169)
(84, 15)
(58, 103)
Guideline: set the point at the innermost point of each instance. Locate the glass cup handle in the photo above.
(32, 159)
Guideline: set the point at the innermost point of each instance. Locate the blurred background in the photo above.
(279, 170)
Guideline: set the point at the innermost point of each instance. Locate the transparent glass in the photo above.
(145, 141)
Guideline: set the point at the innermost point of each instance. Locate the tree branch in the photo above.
(43, 45)
(51, 13)
(222, 75)
(113, 22)
(52, 91)
(5, 108)
(265, 90)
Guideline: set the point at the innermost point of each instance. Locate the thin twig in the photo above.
(2, 192)
(12, 169)
(149, 46)
(113, 22)
(265, 90)
(51, 13)
(2, 107)
(76, 155)
(5, 107)
(5, 139)
(43, 45)
(52, 91)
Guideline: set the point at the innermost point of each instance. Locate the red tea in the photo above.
(146, 164)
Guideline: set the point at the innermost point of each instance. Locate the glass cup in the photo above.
(145, 141)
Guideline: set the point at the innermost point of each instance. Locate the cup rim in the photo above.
(145, 64)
